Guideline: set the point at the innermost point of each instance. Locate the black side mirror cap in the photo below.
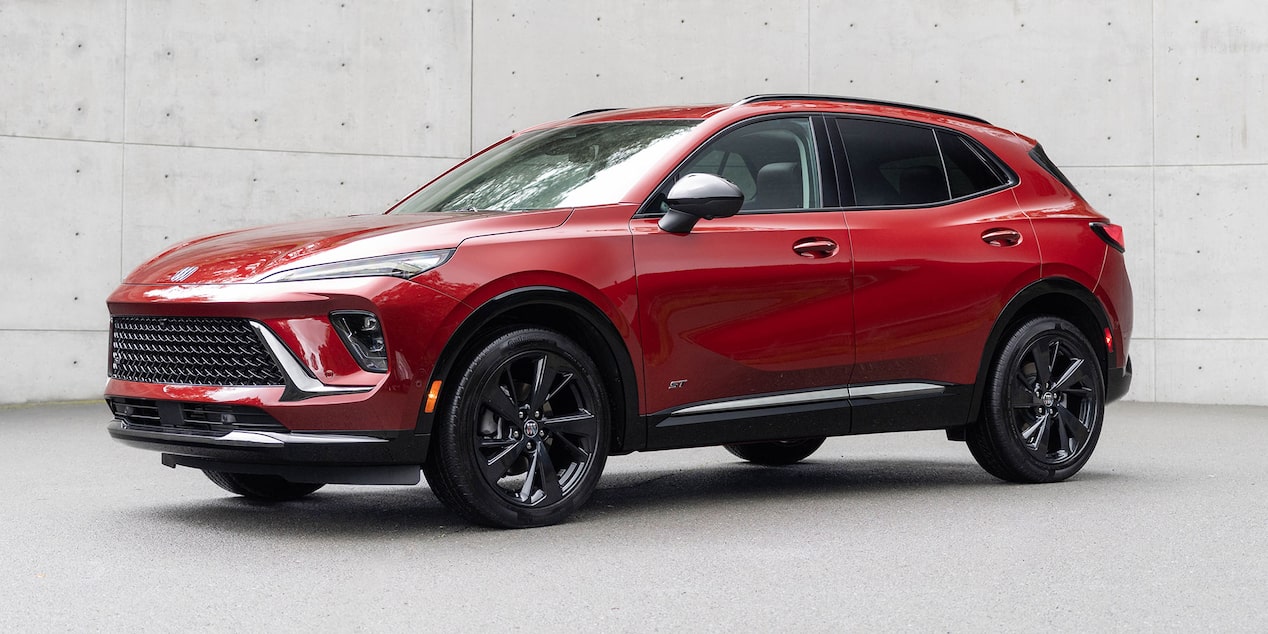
(697, 196)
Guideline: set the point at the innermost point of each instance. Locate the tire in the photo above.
(266, 488)
(779, 452)
(523, 436)
(1044, 404)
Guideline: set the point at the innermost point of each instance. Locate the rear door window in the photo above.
(894, 164)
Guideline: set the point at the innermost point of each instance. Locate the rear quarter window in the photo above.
(967, 170)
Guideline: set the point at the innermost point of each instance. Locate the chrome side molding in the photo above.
(882, 391)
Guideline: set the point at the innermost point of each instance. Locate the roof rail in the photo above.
(870, 102)
(596, 110)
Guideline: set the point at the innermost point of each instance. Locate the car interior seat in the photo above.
(778, 187)
(922, 184)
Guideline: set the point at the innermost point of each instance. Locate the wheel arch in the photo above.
(570, 314)
(1061, 297)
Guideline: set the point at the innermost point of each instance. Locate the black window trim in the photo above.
(994, 162)
(822, 154)
(942, 160)
(1040, 157)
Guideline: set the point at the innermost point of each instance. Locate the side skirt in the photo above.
(862, 409)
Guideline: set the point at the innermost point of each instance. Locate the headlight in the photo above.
(403, 265)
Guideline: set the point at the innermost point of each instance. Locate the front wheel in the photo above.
(265, 488)
(1044, 404)
(524, 437)
(778, 452)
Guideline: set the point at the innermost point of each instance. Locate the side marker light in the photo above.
(433, 395)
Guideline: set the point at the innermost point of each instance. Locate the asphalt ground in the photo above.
(1166, 529)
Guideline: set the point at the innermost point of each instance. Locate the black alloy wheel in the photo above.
(525, 437)
(1044, 407)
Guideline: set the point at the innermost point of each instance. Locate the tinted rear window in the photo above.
(893, 163)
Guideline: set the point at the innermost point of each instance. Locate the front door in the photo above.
(747, 322)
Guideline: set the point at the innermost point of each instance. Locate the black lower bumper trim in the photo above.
(317, 474)
(1118, 382)
(299, 449)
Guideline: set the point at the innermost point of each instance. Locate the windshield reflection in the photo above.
(573, 166)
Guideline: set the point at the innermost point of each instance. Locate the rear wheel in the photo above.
(778, 452)
(268, 488)
(524, 437)
(1044, 404)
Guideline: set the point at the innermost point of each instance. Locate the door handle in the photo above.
(815, 248)
(1001, 237)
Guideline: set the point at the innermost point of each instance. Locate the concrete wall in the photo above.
(126, 125)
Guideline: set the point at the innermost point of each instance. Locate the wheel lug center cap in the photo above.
(1048, 399)
(531, 428)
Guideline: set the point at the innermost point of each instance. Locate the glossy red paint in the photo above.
(1114, 290)
(731, 309)
(298, 315)
(727, 311)
(928, 287)
(249, 254)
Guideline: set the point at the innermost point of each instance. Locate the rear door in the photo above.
(746, 321)
(939, 247)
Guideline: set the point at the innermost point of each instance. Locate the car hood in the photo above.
(248, 254)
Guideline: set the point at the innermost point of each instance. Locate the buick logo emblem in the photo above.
(183, 274)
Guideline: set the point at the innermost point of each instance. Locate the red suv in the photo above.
(759, 275)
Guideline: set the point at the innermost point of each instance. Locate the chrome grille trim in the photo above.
(300, 383)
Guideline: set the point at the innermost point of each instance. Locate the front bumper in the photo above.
(326, 391)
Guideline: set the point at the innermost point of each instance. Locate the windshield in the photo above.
(572, 166)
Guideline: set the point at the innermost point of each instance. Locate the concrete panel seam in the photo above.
(1130, 165)
(1203, 339)
(471, 49)
(1153, 183)
(809, 44)
(231, 149)
(60, 330)
(123, 148)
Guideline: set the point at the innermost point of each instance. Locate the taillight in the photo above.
(1111, 234)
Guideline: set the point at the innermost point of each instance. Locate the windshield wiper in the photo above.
(469, 210)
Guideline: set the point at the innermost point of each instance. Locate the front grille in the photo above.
(190, 351)
(198, 418)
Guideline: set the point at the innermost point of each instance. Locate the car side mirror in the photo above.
(697, 196)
